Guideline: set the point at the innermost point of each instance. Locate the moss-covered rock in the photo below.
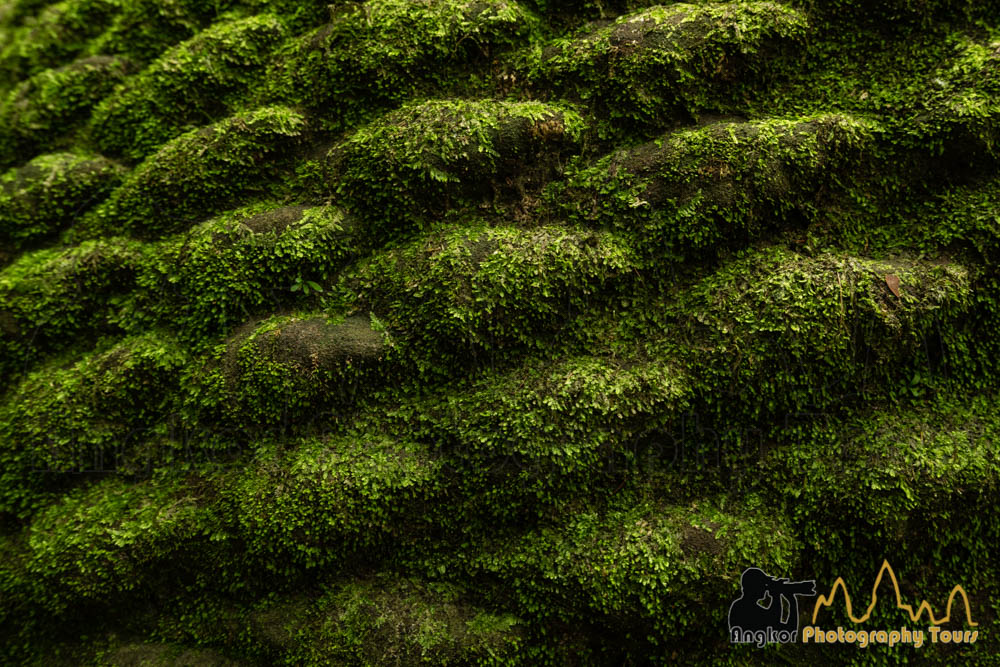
(57, 35)
(164, 655)
(491, 331)
(387, 620)
(723, 184)
(142, 29)
(667, 62)
(53, 299)
(475, 289)
(812, 332)
(48, 194)
(110, 538)
(198, 80)
(42, 109)
(199, 173)
(245, 263)
(374, 54)
(425, 158)
(88, 417)
(628, 569)
(294, 368)
(328, 500)
(958, 112)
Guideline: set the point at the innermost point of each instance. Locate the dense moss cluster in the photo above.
(492, 332)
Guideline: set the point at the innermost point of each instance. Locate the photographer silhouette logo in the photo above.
(767, 611)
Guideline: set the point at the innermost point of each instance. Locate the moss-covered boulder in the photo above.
(241, 264)
(198, 80)
(294, 369)
(388, 620)
(44, 108)
(722, 184)
(89, 417)
(49, 193)
(110, 538)
(958, 113)
(629, 568)
(667, 62)
(326, 501)
(377, 53)
(55, 36)
(425, 158)
(464, 292)
(142, 29)
(53, 299)
(147, 654)
(814, 332)
(199, 173)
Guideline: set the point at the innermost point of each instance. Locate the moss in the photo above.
(658, 64)
(548, 427)
(49, 193)
(428, 157)
(388, 620)
(809, 332)
(294, 367)
(476, 290)
(873, 486)
(165, 655)
(142, 29)
(374, 54)
(88, 417)
(620, 569)
(52, 299)
(199, 173)
(56, 36)
(199, 80)
(475, 333)
(329, 499)
(44, 108)
(719, 185)
(109, 538)
(957, 111)
(242, 264)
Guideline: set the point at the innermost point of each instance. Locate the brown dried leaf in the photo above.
(892, 280)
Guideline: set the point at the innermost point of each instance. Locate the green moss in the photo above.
(374, 54)
(329, 499)
(225, 271)
(52, 299)
(44, 108)
(49, 193)
(142, 29)
(475, 289)
(958, 111)
(387, 620)
(56, 36)
(470, 332)
(199, 173)
(653, 66)
(110, 538)
(810, 332)
(632, 570)
(164, 655)
(428, 157)
(293, 367)
(197, 81)
(87, 417)
(719, 185)
(875, 485)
